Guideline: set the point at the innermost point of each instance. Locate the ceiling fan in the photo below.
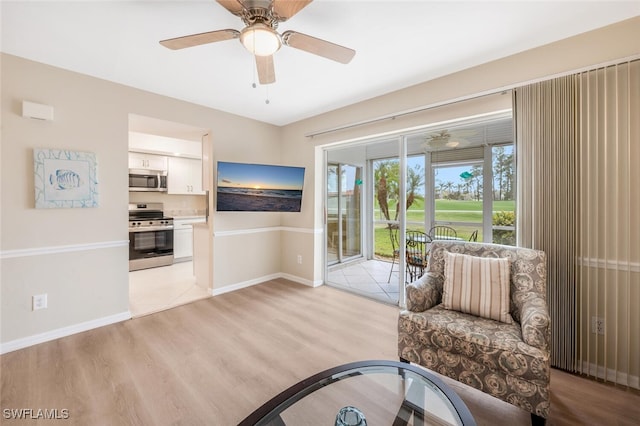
(445, 140)
(259, 36)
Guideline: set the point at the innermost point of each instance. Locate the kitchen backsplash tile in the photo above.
(174, 205)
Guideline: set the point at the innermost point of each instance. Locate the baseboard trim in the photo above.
(47, 336)
(243, 284)
(24, 342)
(249, 283)
(299, 280)
(610, 375)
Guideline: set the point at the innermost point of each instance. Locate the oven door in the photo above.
(150, 248)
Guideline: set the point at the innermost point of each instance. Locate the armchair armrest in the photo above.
(425, 292)
(536, 322)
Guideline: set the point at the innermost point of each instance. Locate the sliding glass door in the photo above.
(362, 221)
(384, 192)
(344, 222)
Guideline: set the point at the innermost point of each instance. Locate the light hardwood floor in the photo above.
(212, 362)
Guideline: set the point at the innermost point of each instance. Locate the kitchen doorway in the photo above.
(171, 154)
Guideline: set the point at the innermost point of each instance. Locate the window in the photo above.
(504, 200)
(459, 198)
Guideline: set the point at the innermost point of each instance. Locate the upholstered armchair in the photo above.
(507, 357)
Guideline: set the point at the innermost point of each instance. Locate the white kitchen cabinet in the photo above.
(182, 244)
(184, 176)
(147, 161)
(183, 238)
(154, 144)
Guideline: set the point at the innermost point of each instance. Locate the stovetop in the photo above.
(154, 224)
(148, 215)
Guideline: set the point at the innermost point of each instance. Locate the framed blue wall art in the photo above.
(65, 179)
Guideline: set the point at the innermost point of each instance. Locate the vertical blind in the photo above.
(545, 118)
(609, 250)
(578, 159)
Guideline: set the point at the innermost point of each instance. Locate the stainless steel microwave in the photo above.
(147, 180)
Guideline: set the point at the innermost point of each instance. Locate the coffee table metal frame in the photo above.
(269, 412)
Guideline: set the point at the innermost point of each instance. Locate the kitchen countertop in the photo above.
(188, 217)
(185, 214)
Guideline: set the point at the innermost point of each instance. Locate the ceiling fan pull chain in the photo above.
(266, 101)
(253, 68)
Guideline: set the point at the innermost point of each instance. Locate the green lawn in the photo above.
(454, 205)
(382, 242)
(446, 211)
(472, 205)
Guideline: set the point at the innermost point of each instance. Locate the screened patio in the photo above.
(458, 174)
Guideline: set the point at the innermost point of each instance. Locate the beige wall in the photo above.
(91, 114)
(579, 52)
(79, 257)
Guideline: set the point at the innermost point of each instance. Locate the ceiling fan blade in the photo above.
(285, 9)
(233, 6)
(318, 47)
(266, 71)
(198, 39)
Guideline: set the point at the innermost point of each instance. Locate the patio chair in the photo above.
(441, 232)
(395, 246)
(417, 254)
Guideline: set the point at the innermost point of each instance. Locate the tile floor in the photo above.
(367, 277)
(156, 289)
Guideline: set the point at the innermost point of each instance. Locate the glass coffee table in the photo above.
(365, 393)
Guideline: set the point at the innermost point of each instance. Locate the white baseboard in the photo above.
(610, 375)
(24, 342)
(100, 322)
(249, 283)
(299, 280)
(243, 284)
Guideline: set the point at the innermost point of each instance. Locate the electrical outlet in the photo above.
(39, 301)
(597, 325)
(299, 259)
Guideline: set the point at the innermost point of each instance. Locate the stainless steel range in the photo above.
(150, 236)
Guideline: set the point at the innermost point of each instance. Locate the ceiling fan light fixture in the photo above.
(260, 39)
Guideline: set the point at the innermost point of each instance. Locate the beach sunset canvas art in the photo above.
(259, 187)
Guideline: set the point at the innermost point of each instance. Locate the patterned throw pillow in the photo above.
(477, 286)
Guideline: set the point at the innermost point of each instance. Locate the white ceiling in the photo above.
(398, 44)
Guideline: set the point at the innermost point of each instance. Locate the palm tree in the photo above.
(476, 171)
(386, 174)
(386, 185)
(415, 180)
(449, 187)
